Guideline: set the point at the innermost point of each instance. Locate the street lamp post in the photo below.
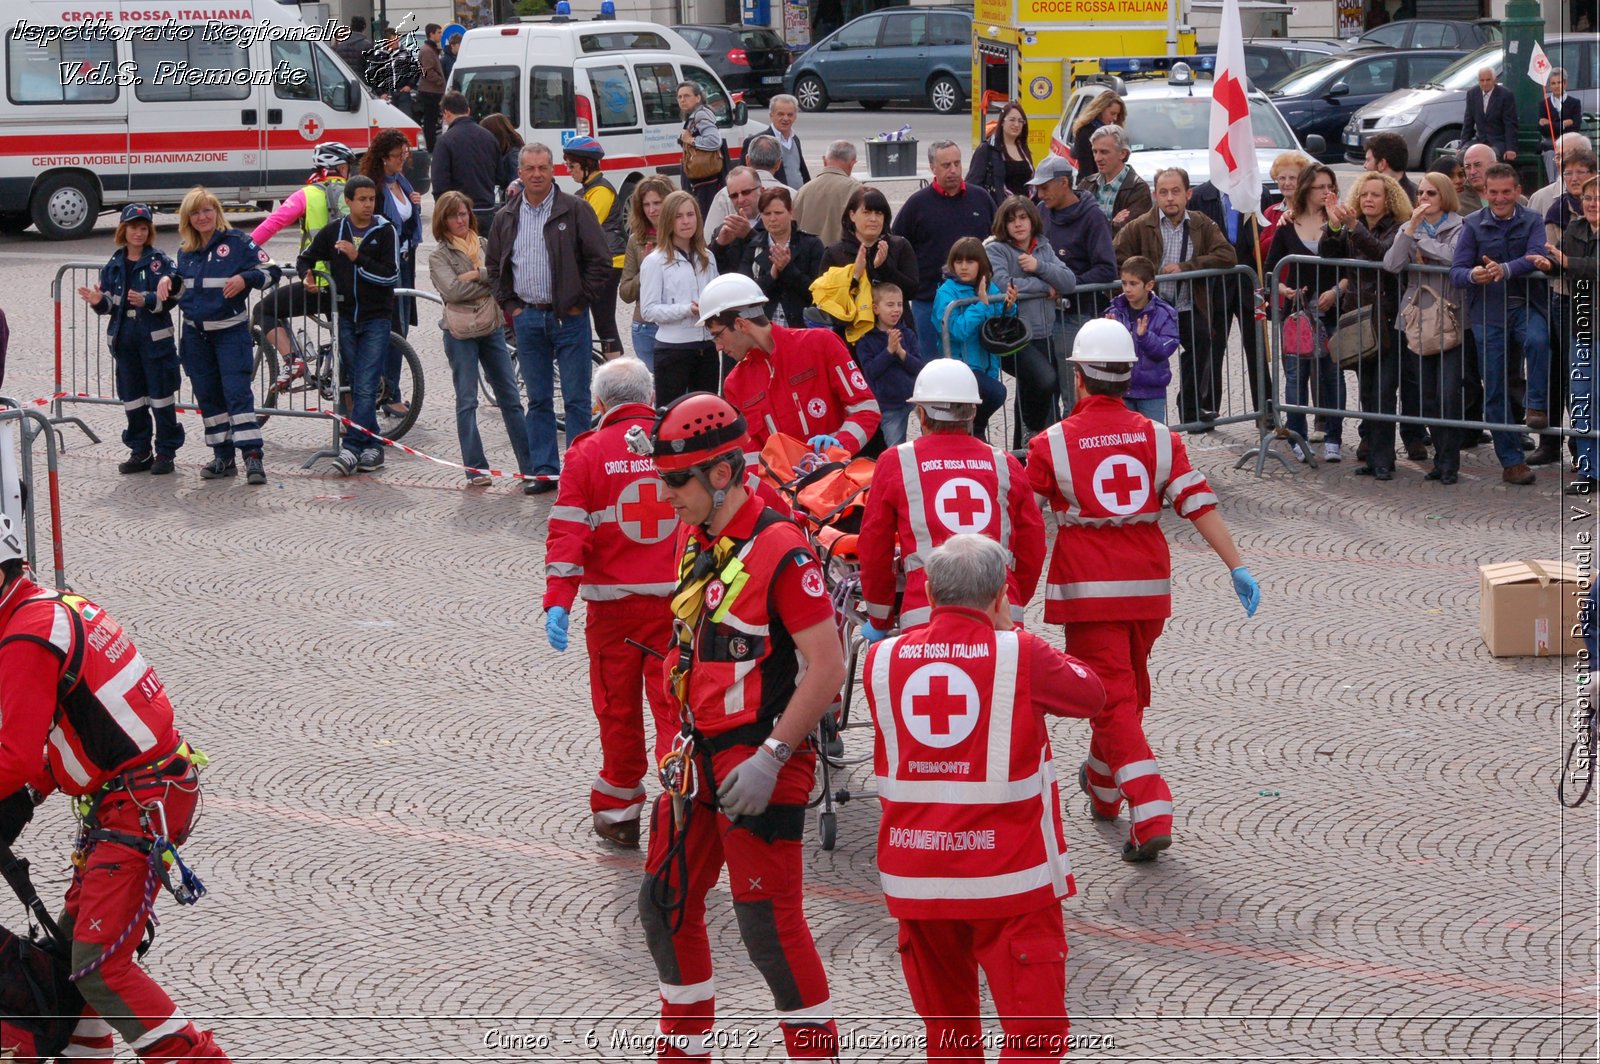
(1524, 27)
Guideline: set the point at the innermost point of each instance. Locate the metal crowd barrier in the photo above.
(1450, 389)
(85, 367)
(20, 426)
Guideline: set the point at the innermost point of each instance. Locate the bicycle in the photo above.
(322, 373)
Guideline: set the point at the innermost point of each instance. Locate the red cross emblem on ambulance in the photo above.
(939, 705)
(1122, 484)
(962, 505)
(642, 514)
(310, 128)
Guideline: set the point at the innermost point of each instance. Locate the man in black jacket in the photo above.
(1232, 298)
(546, 286)
(354, 46)
(781, 113)
(465, 156)
(1491, 117)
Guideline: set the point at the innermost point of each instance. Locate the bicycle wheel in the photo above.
(265, 375)
(411, 391)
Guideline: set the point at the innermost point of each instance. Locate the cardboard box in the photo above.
(1529, 608)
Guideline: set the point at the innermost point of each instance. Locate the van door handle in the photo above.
(274, 116)
(248, 117)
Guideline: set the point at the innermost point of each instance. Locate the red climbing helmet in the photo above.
(696, 429)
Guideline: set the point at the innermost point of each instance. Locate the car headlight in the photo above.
(1401, 118)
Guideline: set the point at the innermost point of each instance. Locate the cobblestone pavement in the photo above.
(1369, 863)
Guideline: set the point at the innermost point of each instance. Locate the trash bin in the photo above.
(892, 158)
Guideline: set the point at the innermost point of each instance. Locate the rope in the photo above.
(146, 912)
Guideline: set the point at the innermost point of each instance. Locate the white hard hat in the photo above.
(945, 380)
(731, 291)
(1104, 350)
(10, 545)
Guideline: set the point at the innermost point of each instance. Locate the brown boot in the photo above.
(1518, 474)
(1544, 454)
(624, 833)
(1536, 419)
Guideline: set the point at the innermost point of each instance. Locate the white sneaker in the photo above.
(1330, 452)
(1298, 451)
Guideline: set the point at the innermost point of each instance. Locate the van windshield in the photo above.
(622, 41)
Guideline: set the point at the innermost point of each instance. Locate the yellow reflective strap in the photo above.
(197, 758)
(735, 585)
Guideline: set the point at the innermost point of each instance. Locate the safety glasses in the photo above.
(676, 479)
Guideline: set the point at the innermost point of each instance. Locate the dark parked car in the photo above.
(1269, 61)
(1431, 33)
(903, 53)
(747, 58)
(1321, 98)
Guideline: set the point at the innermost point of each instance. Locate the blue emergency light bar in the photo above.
(1148, 64)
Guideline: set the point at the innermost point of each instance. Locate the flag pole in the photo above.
(1269, 291)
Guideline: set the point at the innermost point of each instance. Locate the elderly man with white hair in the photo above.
(782, 110)
(1120, 193)
(1475, 163)
(1545, 198)
(610, 540)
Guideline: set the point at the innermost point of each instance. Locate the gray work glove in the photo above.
(748, 788)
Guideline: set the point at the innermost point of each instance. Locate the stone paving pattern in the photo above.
(1369, 863)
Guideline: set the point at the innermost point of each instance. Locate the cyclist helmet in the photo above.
(586, 148)
(330, 154)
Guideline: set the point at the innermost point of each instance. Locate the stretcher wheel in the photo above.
(828, 829)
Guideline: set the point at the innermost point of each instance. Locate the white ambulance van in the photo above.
(616, 81)
(110, 102)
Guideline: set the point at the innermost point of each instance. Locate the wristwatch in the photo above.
(778, 749)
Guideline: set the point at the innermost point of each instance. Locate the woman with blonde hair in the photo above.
(644, 217)
(474, 335)
(1364, 227)
(216, 265)
(1107, 109)
(671, 279)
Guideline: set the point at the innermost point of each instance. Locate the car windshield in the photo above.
(1463, 73)
(1310, 77)
(1184, 124)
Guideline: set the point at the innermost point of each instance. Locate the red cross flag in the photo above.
(1233, 146)
(1539, 65)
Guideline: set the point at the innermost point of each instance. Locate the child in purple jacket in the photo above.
(1154, 325)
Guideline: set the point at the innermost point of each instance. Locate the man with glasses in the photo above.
(547, 262)
(734, 217)
(750, 605)
(801, 382)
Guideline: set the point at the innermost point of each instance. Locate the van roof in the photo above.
(575, 26)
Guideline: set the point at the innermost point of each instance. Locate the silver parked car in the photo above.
(1429, 116)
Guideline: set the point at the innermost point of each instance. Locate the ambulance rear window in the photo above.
(622, 41)
(60, 71)
(489, 90)
(550, 105)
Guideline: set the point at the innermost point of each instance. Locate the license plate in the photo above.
(774, 80)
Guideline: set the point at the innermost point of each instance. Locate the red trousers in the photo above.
(1024, 958)
(619, 676)
(765, 860)
(1120, 762)
(104, 901)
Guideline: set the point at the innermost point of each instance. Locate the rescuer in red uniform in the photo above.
(944, 483)
(749, 605)
(801, 382)
(610, 540)
(1104, 470)
(83, 713)
(970, 849)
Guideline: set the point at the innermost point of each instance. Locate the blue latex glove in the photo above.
(822, 443)
(871, 634)
(555, 626)
(1249, 592)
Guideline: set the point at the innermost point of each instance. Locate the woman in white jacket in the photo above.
(671, 279)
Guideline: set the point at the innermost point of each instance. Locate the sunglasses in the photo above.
(1426, 192)
(678, 479)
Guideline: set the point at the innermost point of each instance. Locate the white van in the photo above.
(110, 102)
(615, 81)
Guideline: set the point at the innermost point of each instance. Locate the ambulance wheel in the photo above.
(411, 390)
(944, 94)
(12, 223)
(828, 829)
(66, 206)
(812, 94)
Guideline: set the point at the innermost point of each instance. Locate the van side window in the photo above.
(658, 88)
(196, 69)
(716, 99)
(489, 90)
(613, 97)
(34, 71)
(293, 56)
(550, 98)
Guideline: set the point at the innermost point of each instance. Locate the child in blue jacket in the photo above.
(139, 332)
(968, 276)
(891, 357)
(1154, 325)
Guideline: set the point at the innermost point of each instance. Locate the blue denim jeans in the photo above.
(644, 343)
(1525, 328)
(1298, 377)
(1154, 409)
(896, 418)
(1581, 377)
(489, 352)
(547, 343)
(362, 348)
(927, 328)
